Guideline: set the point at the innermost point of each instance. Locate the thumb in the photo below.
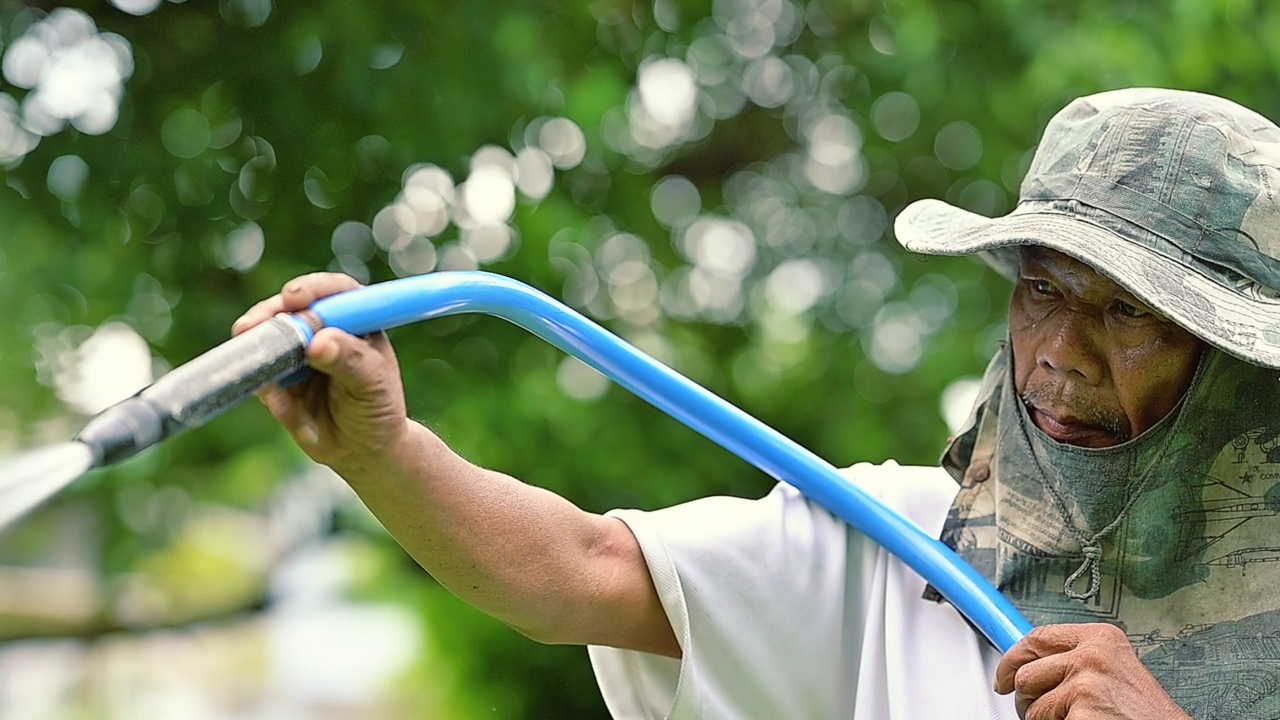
(351, 361)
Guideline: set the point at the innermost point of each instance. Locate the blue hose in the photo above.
(400, 302)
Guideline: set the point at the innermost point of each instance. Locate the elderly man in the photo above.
(1117, 480)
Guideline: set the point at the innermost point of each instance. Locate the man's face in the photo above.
(1093, 365)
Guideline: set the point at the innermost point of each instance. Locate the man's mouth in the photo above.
(1071, 430)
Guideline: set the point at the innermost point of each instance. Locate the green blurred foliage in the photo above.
(285, 121)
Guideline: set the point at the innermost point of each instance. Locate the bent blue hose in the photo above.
(400, 302)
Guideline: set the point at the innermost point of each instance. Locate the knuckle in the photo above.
(1112, 633)
(1091, 652)
(1045, 632)
(1050, 706)
(1022, 676)
(354, 357)
(360, 364)
(1091, 657)
(1041, 637)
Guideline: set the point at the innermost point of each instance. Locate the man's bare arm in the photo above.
(522, 554)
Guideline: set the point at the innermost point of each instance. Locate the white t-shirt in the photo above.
(782, 611)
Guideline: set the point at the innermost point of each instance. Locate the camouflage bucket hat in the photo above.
(1171, 194)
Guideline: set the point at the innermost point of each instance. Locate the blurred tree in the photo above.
(714, 181)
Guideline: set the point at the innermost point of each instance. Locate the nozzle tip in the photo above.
(122, 431)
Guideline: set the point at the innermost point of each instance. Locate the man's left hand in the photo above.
(1081, 672)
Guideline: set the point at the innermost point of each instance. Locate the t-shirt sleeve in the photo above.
(741, 581)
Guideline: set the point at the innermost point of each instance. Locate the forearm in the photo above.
(521, 554)
(517, 552)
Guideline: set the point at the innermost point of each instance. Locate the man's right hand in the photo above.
(351, 411)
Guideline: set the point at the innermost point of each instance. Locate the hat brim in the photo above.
(1244, 326)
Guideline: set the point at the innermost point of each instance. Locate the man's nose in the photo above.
(1070, 344)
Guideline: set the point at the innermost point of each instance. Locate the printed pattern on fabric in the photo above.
(1190, 572)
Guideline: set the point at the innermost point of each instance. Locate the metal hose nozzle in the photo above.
(197, 391)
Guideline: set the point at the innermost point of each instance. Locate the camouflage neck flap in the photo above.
(1075, 534)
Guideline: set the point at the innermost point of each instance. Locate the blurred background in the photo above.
(713, 181)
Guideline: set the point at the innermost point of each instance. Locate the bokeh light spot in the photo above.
(881, 33)
(412, 256)
(308, 55)
(242, 248)
(430, 177)
(563, 141)
(862, 220)
(957, 402)
(353, 239)
(67, 176)
(456, 257)
(318, 189)
(768, 81)
(15, 140)
(833, 163)
(719, 246)
(579, 380)
(392, 224)
(958, 145)
(674, 200)
(429, 212)
(488, 195)
(148, 207)
(896, 341)
(136, 7)
(796, 285)
(109, 366)
(488, 242)
(25, 60)
(667, 90)
(245, 13)
(75, 74)
(186, 133)
(983, 197)
(493, 156)
(534, 173)
(387, 55)
(895, 115)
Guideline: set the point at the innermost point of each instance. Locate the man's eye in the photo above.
(1043, 287)
(1130, 311)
